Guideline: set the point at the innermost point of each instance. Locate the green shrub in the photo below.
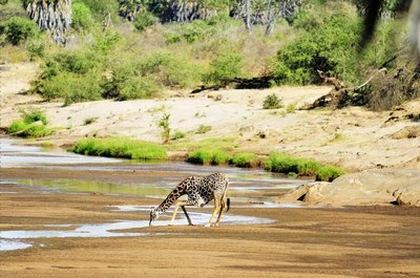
(197, 30)
(82, 17)
(70, 87)
(244, 160)
(34, 116)
(291, 108)
(178, 135)
(33, 124)
(331, 48)
(272, 102)
(208, 156)
(202, 129)
(120, 147)
(19, 29)
(138, 88)
(169, 70)
(36, 48)
(164, 125)
(328, 173)
(225, 67)
(144, 20)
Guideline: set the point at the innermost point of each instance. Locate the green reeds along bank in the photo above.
(120, 147)
(208, 157)
(245, 160)
(282, 163)
(33, 125)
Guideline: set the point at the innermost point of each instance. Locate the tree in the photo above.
(54, 16)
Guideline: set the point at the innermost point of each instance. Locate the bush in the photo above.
(272, 102)
(331, 48)
(164, 125)
(19, 29)
(244, 160)
(144, 20)
(138, 88)
(178, 135)
(208, 156)
(82, 17)
(202, 129)
(328, 173)
(70, 87)
(169, 70)
(120, 147)
(33, 124)
(225, 67)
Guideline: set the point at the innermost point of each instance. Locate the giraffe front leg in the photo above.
(177, 205)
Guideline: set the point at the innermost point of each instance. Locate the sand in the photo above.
(349, 242)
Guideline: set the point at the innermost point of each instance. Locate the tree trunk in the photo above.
(53, 16)
(248, 24)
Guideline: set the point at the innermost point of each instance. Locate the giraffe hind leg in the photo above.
(216, 209)
(222, 207)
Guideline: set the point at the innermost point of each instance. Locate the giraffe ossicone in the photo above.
(200, 191)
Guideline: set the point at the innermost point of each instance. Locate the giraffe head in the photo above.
(154, 215)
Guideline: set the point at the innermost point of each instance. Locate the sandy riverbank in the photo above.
(351, 242)
(354, 137)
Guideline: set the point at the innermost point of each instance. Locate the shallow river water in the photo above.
(161, 177)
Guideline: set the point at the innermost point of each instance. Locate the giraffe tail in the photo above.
(227, 204)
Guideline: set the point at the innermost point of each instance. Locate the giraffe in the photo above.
(200, 191)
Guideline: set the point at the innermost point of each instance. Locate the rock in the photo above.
(370, 187)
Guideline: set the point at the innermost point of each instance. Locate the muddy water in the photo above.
(249, 188)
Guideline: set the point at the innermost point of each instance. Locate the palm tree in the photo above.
(51, 15)
(130, 8)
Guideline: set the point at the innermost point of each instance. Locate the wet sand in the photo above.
(292, 242)
(305, 242)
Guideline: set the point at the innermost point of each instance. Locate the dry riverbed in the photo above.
(302, 242)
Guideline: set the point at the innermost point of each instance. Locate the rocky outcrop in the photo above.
(371, 187)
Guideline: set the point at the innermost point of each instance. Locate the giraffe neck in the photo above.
(170, 199)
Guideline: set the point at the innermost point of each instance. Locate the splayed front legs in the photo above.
(181, 204)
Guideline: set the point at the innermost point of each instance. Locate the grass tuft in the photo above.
(283, 163)
(120, 147)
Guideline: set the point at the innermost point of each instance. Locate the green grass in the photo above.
(283, 163)
(329, 173)
(33, 124)
(120, 147)
(244, 160)
(209, 156)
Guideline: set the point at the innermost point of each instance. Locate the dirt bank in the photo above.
(352, 242)
(353, 137)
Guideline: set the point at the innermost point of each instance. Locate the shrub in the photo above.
(291, 108)
(169, 70)
(245, 160)
(19, 29)
(208, 156)
(138, 88)
(70, 87)
(120, 147)
(225, 67)
(166, 130)
(272, 102)
(202, 129)
(331, 48)
(36, 48)
(328, 173)
(178, 135)
(144, 20)
(33, 124)
(82, 17)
